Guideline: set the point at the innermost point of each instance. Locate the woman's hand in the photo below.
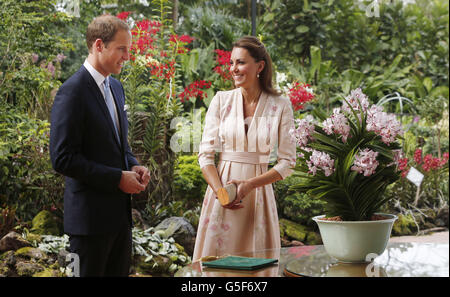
(244, 187)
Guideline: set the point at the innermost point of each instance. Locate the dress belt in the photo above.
(245, 157)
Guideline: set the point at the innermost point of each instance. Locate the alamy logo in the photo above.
(372, 9)
(73, 268)
(71, 7)
(188, 135)
(372, 270)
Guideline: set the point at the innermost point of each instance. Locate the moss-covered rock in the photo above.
(12, 241)
(293, 230)
(44, 223)
(45, 273)
(49, 272)
(158, 265)
(30, 253)
(7, 262)
(313, 238)
(4, 256)
(29, 261)
(180, 229)
(33, 238)
(281, 230)
(404, 225)
(27, 268)
(5, 270)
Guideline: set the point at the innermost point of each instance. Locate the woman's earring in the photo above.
(257, 75)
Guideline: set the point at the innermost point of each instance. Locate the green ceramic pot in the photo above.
(355, 241)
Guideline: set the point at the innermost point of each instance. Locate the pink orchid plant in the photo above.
(348, 158)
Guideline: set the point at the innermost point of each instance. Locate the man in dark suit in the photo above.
(88, 144)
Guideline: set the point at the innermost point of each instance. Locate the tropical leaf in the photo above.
(329, 141)
(321, 147)
(385, 152)
(319, 113)
(353, 127)
(357, 120)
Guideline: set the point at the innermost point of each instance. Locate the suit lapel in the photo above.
(101, 101)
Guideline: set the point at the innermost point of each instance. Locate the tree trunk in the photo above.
(175, 14)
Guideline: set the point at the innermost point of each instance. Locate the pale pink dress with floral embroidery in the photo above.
(243, 155)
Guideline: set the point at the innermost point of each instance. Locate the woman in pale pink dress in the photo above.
(244, 125)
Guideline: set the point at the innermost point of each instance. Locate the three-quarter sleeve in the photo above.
(286, 148)
(210, 142)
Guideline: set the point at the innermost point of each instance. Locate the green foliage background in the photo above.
(332, 45)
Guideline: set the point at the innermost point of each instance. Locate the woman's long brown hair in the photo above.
(258, 51)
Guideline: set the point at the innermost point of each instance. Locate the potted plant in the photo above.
(349, 159)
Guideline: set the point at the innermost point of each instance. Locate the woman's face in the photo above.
(244, 68)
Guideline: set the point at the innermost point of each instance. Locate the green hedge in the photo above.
(297, 207)
(189, 184)
(27, 180)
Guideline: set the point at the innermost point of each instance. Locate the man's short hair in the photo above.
(104, 27)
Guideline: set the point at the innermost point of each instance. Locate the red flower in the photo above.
(143, 34)
(146, 42)
(402, 164)
(143, 44)
(431, 163)
(123, 15)
(194, 90)
(428, 162)
(183, 38)
(143, 25)
(223, 59)
(186, 39)
(299, 95)
(405, 173)
(418, 156)
(173, 38)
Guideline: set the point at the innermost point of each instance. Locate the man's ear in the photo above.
(98, 45)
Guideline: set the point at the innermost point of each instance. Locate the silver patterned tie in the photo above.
(110, 104)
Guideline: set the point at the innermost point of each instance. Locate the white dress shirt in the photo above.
(99, 79)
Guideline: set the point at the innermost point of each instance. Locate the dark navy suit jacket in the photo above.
(84, 148)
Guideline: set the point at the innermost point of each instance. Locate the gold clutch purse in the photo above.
(227, 194)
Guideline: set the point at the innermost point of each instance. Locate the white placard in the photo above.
(415, 176)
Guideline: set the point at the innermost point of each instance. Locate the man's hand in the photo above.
(130, 182)
(144, 174)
